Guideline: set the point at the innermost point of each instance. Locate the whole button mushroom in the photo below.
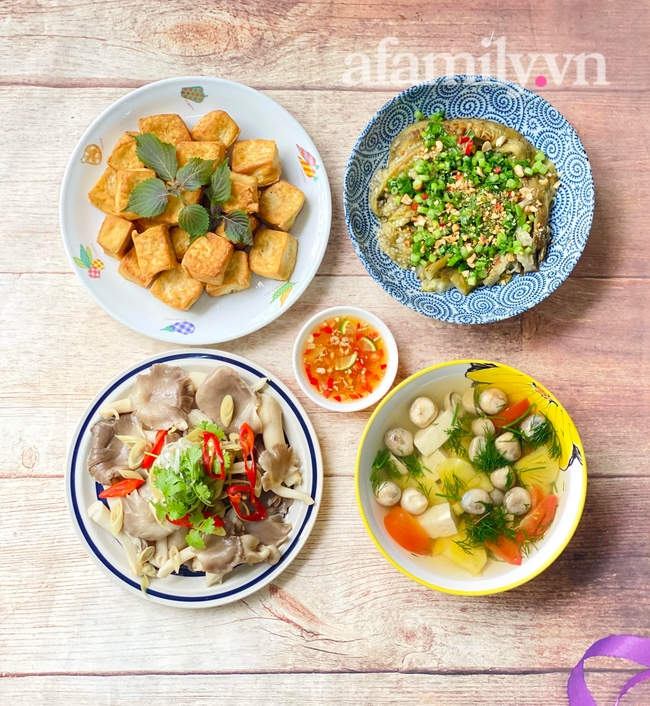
(476, 446)
(399, 441)
(413, 501)
(531, 423)
(517, 501)
(468, 402)
(492, 400)
(476, 501)
(482, 427)
(508, 446)
(496, 496)
(388, 494)
(423, 411)
(502, 478)
(452, 401)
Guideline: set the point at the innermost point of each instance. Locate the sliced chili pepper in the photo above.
(152, 455)
(185, 521)
(337, 398)
(212, 450)
(242, 495)
(463, 139)
(330, 383)
(468, 149)
(414, 207)
(124, 487)
(326, 329)
(497, 170)
(247, 442)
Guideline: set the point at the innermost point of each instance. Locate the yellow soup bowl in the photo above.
(438, 572)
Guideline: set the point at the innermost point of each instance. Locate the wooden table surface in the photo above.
(340, 625)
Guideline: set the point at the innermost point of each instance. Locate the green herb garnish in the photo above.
(487, 528)
(453, 487)
(489, 459)
(383, 469)
(458, 431)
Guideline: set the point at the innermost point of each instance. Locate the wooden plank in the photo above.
(32, 224)
(323, 614)
(311, 689)
(304, 44)
(584, 342)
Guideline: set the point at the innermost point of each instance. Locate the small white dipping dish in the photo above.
(391, 351)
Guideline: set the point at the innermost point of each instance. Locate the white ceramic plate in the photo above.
(189, 590)
(209, 320)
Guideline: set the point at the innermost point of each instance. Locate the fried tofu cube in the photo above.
(143, 224)
(167, 127)
(258, 158)
(177, 288)
(273, 254)
(244, 194)
(127, 180)
(175, 206)
(154, 250)
(123, 155)
(237, 277)
(280, 204)
(102, 195)
(207, 258)
(130, 269)
(255, 224)
(217, 125)
(115, 236)
(180, 241)
(203, 150)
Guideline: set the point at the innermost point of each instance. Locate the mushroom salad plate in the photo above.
(468, 199)
(291, 171)
(194, 478)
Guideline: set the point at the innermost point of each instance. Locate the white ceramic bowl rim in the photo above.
(387, 380)
(288, 553)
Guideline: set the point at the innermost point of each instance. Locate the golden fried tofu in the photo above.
(244, 194)
(273, 254)
(115, 236)
(280, 204)
(258, 158)
(177, 288)
(130, 269)
(180, 241)
(127, 180)
(123, 155)
(175, 206)
(217, 125)
(102, 195)
(143, 224)
(154, 250)
(255, 224)
(167, 127)
(203, 150)
(237, 276)
(207, 258)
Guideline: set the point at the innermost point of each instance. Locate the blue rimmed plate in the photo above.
(189, 590)
(492, 99)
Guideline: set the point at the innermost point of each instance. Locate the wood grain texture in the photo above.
(340, 625)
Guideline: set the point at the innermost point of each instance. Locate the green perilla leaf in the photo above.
(148, 198)
(195, 173)
(157, 155)
(194, 219)
(220, 187)
(237, 226)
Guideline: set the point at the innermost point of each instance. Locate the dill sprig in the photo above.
(383, 469)
(488, 459)
(424, 489)
(487, 528)
(413, 465)
(458, 431)
(453, 487)
(543, 434)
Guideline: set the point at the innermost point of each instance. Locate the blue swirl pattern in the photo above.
(512, 105)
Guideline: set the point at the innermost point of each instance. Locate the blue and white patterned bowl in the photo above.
(512, 105)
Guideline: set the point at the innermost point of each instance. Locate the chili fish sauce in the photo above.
(344, 358)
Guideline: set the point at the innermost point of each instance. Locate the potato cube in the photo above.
(102, 195)
(127, 180)
(177, 288)
(258, 158)
(123, 155)
(280, 204)
(207, 258)
(236, 277)
(244, 194)
(130, 269)
(154, 250)
(167, 127)
(115, 236)
(203, 150)
(217, 125)
(273, 254)
(180, 241)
